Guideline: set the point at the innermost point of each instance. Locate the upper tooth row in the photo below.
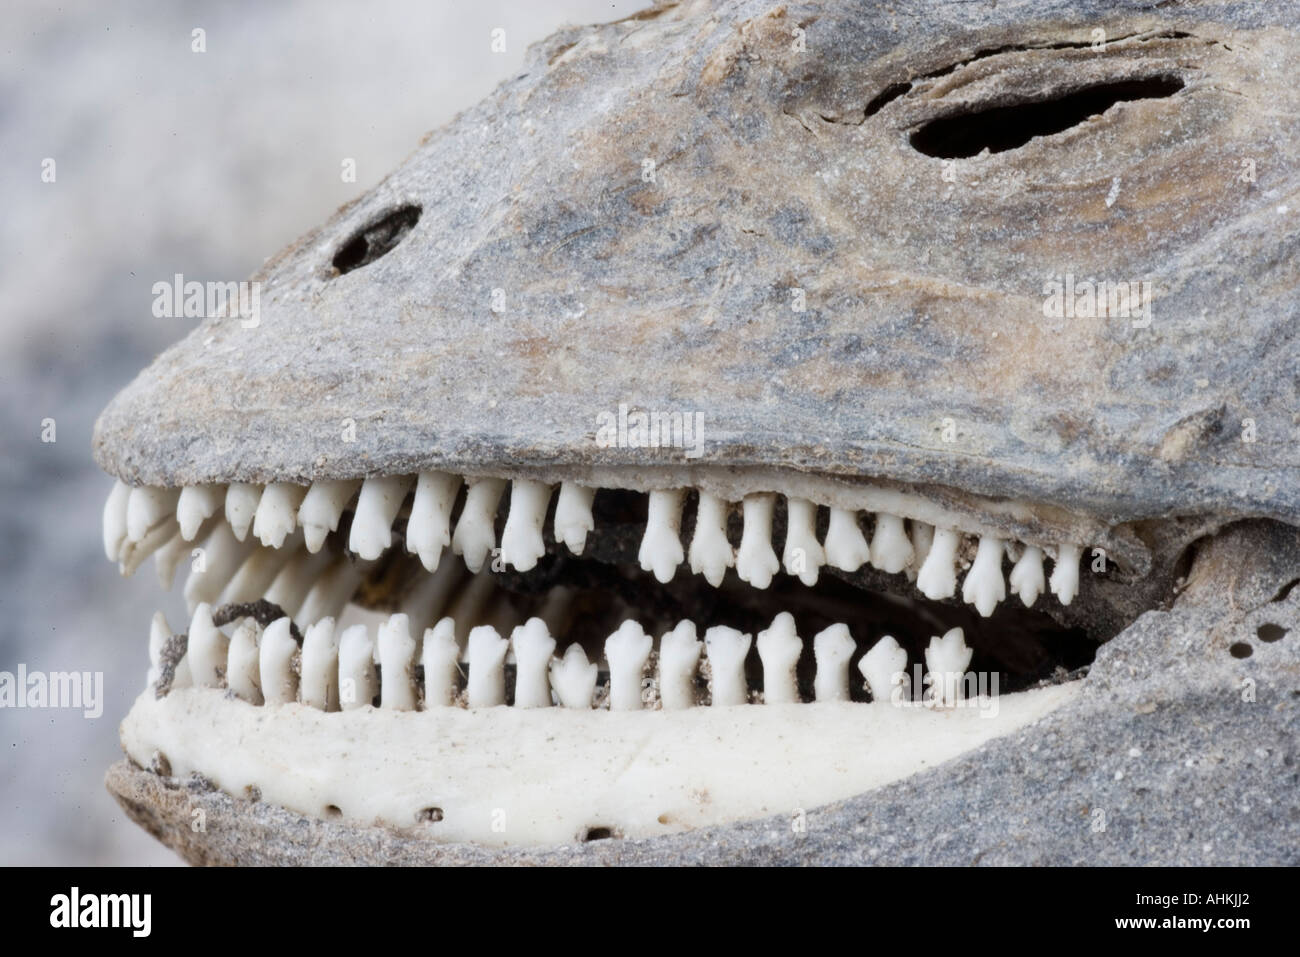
(139, 521)
(334, 671)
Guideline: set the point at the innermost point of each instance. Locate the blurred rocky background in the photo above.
(166, 161)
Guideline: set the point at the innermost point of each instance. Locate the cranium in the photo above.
(932, 333)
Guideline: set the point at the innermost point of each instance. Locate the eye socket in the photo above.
(376, 239)
(1002, 128)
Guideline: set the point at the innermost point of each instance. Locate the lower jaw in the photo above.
(505, 777)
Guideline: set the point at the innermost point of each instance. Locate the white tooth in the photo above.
(661, 546)
(574, 678)
(891, 549)
(377, 506)
(159, 634)
(1065, 573)
(487, 658)
(290, 587)
(467, 607)
(428, 529)
(182, 678)
(322, 507)
(1027, 575)
(168, 557)
(627, 650)
(779, 648)
(947, 659)
(134, 553)
(846, 548)
(832, 648)
(320, 666)
(938, 575)
(885, 668)
(257, 572)
(475, 536)
(277, 512)
(208, 649)
(213, 564)
(679, 655)
(439, 657)
(710, 553)
(428, 600)
(533, 647)
(115, 519)
(922, 539)
(195, 505)
(146, 507)
(984, 586)
(803, 554)
(573, 518)
(275, 664)
(332, 591)
(358, 684)
(241, 506)
(756, 561)
(726, 649)
(397, 653)
(243, 661)
(521, 539)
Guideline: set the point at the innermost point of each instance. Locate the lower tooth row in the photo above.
(333, 671)
(283, 516)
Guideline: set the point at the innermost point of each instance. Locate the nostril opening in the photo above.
(1003, 128)
(1270, 632)
(376, 239)
(1240, 649)
(598, 834)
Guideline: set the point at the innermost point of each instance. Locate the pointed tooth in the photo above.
(135, 552)
(243, 661)
(726, 649)
(710, 553)
(1027, 579)
(984, 586)
(439, 657)
(425, 604)
(147, 506)
(487, 657)
(466, 607)
(533, 647)
(333, 590)
(255, 574)
(195, 505)
(938, 575)
(922, 538)
(475, 535)
(168, 557)
(277, 512)
(846, 547)
(241, 506)
(891, 549)
(1065, 573)
(803, 554)
(208, 649)
(833, 649)
(358, 683)
(159, 634)
(756, 561)
(397, 651)
(275, 664)
(320, 666)
(378, 503)
(521, 539)
(679, 656)
(289, 588)
(573, 519)
(947, 659)
(322, 507)
(626, 651)
(885, 668)
(661, 546)
(574, 678)
(115, 509)
(216, 563)
(779, 648)
(428, 529)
